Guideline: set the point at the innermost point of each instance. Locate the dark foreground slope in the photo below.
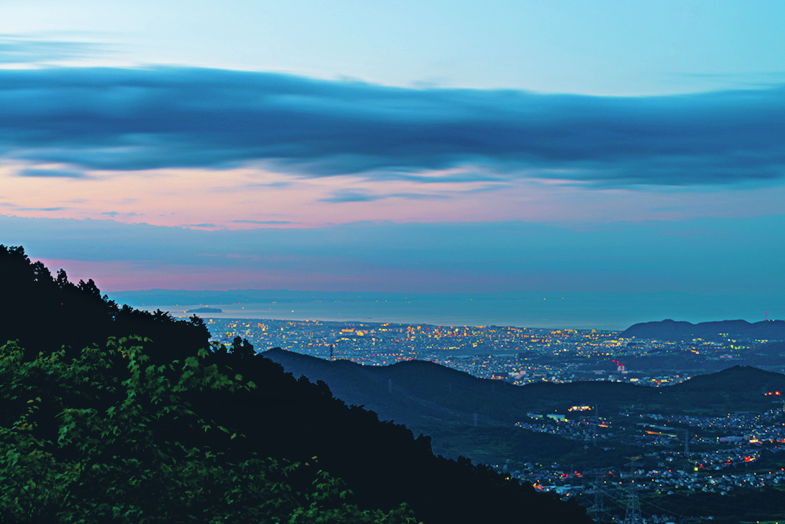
(734, 329)
(45, 311)
(282, 417)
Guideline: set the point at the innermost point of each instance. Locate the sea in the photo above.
(602, 311)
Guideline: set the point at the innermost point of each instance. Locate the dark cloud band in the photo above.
(128, 119)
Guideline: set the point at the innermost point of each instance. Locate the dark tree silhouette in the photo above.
(283, 417)
(45, 313)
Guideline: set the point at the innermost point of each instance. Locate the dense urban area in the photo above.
(665, 456)
(517, 355)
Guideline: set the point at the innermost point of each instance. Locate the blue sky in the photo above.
(599, 47)
(412, 146)
(700, 256)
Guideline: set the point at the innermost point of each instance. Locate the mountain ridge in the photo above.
(673, 330)
(419, 393)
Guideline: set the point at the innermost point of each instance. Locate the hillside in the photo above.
(45, 311)
(408, 392)
(282, 417)
(734, 329)
(424, 394)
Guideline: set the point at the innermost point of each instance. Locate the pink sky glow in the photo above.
(121, 275)
(249, 197)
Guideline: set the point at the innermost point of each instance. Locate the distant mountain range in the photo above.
(735, 329)
(423, 394)
(205, 310)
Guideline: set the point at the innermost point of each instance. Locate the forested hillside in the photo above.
(107, 411)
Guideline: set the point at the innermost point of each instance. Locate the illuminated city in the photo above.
(517, 355)
(674, 453)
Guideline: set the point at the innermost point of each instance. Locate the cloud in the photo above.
(17, 50)
(461, 177)
(132, 119)
(351, 195)
(200, 225)
(358, 195)
(279, 184)
(115, 213)
(262, 222)
(50, 173)
(17, 207)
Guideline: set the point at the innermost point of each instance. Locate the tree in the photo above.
(109, 437)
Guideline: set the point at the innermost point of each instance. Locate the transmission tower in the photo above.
(598, 508)
(633, 514)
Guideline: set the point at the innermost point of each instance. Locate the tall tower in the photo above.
(598, 508)
(331, 353)
(633, 514)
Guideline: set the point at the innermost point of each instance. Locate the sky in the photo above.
(441, 147)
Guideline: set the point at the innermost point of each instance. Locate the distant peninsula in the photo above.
(205, 310)
(734, 329)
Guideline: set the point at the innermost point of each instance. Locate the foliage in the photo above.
(286, 418)
(109, 437)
